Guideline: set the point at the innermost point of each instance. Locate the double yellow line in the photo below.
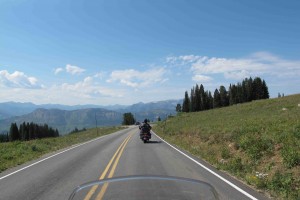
(114, 160)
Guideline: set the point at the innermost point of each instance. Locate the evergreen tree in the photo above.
(193, 100)
(250, 90)
(31, 131)
(26, 131)
(240, 93)
(223, 96)
(178, 108)
(257, 90)
(22, 132)
(210, 100)
(202, 97)
(197, 98)
(14, 132)
(217, 99)
(232, 94)
(56, 133)
(186, 103)
(247, 85)
(265, 90)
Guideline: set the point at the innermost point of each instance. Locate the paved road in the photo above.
(118, 154)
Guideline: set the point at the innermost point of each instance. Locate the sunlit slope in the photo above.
(257, 141)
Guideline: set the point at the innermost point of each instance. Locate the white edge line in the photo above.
(78, 145)
(212, 172)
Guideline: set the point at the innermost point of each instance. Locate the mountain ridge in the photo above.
(82, 116)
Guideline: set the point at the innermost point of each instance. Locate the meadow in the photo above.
(256, 142)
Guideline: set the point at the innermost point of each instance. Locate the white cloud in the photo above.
(99, 75)
(201, 78)
(222, 65)
(257, 64)
(237, 75)
(74, 69)
(137, 79)
(87, 88)
(58, 70)
(17, 80)
(182, 59)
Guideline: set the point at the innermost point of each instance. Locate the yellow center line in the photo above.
(112, 171)
(94, 188)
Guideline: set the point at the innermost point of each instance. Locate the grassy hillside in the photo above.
(16, 153)
(258, 142)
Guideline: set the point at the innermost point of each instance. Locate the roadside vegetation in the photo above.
(257, 142)
(18, 152)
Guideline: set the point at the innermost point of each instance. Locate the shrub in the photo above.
(296, 131)
(254, 180)
(225, 153)
(236, 165)
(290, 155)
(283, 183)
(255, 146)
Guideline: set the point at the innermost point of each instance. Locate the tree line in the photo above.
(29, 131)
(199, 99)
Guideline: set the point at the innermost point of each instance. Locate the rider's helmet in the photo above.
(146, 121)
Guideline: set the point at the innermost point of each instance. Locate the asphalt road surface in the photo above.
(118, 154)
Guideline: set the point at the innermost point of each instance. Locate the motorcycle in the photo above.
(145, 187)
(145, 133)
(145, 137)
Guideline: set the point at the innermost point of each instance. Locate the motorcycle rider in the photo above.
(145, 127)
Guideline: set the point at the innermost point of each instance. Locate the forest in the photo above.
(199, 99)
(28, 131)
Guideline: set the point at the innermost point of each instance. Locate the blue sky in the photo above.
(129, 51)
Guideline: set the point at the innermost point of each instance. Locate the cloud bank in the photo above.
(174, 75)
(17, 79)
(257, 64)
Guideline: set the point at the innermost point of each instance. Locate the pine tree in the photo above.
(240, 93)
(202, 97)
(197, 98)
(186, 103)
(178, 108)
(265, 90)
(210, 100)
(247, 85)
(14, 132)
(257, 90)
(217, 99)
(232, 94)
(193, 100)
(22, 132)
(223, 96)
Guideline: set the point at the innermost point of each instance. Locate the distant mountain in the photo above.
(66, 121)
(12, 109)
(67, 118)
(153, 110)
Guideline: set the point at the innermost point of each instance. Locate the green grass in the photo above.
(19, 152)
(258, 142)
